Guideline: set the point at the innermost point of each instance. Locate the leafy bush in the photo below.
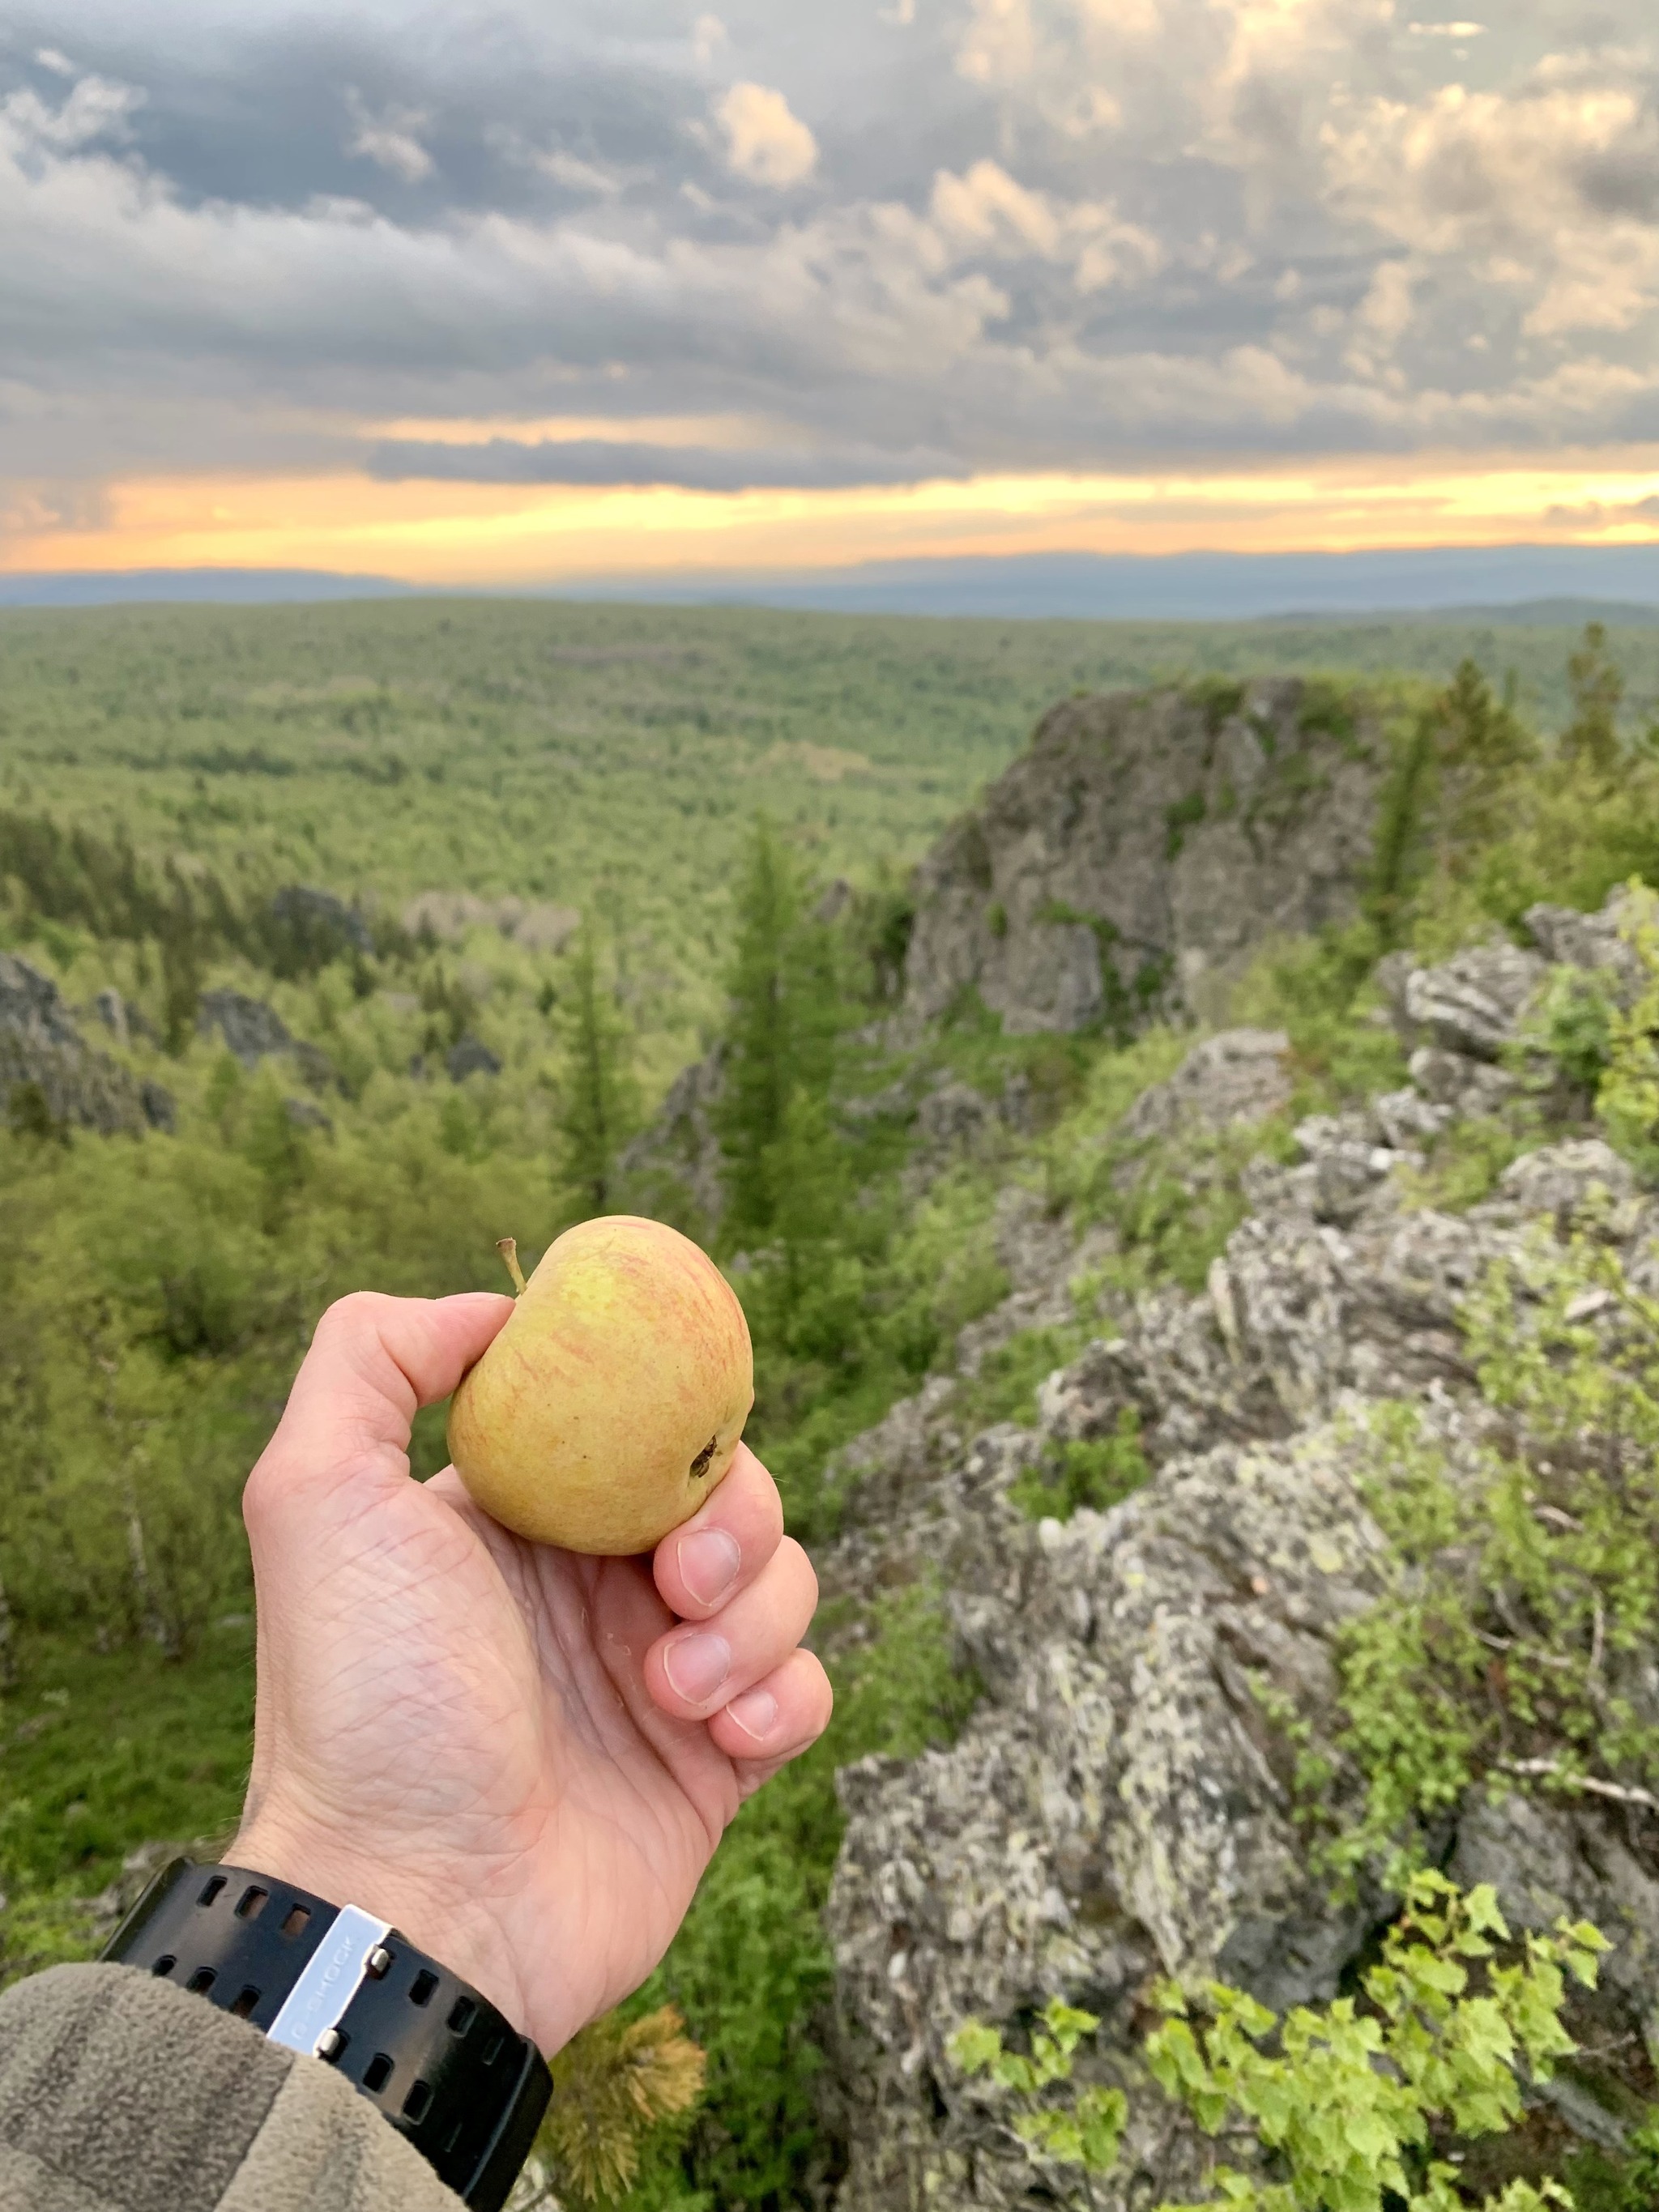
(1347, 2107)
(1349, 2102)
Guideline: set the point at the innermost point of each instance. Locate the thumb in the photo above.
(373, 1363)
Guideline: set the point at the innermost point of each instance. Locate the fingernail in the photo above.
(697, 1665)
(709, 1560)
(754, 1712)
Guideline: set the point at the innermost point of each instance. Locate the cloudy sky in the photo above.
(548, 288)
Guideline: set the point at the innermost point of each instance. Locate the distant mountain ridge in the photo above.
(1542, 585)
(216, 586)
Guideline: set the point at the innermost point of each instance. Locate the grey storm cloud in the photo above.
(903, 241)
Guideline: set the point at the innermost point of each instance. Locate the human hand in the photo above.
(518, 1755)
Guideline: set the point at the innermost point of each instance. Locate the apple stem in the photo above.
(509, 1248)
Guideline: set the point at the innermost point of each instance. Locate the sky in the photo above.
(550, 290)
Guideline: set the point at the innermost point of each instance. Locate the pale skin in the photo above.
(520, 1756)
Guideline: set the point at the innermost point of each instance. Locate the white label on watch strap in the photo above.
(333, 1978)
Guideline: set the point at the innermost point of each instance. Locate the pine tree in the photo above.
(598, 1101)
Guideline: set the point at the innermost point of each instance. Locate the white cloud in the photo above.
(765, 141)
(48, 57)
(988, 211)
(709, 35)
(998, 43)
(96, 107)
(1499, 182)
(579, 176)
(1447, 30)
(390, 140)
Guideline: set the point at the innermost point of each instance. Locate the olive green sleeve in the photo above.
(122, 2094)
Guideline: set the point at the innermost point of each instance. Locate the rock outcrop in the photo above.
(1119, 1805)
(253, 1031)
(50, 1078)
(1132, 858)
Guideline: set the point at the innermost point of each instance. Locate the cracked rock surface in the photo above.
(1117, 1806)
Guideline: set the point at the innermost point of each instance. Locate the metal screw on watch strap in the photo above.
(447, 2069)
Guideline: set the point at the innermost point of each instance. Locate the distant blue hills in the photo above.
(1537, 583)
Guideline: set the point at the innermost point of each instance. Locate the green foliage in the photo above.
(1351, 2100)
(1630, 2184)
(1083, 2130)
(1099, 1474)
(1526, 1585)
(1186, 814)
(1628, 1094)
(1466, 1163)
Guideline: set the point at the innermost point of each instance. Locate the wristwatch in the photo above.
(447, 2069)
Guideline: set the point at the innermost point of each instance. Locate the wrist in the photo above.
(444, 1917)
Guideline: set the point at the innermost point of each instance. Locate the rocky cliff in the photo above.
(1121, 1804)
(52, 1078)
(1141, 847)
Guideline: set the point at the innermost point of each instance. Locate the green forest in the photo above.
(496, 871)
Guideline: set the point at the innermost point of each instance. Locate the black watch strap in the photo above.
(447, 2069)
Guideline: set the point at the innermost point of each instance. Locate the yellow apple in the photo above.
(610, 1404)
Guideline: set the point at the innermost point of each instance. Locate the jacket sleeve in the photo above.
(119, 2092)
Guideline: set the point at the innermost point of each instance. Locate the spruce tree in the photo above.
(599, 1101)
(1591, 738)
(781, 1040)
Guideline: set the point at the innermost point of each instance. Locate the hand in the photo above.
(518, 1755)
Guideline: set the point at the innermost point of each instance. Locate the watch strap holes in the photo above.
(421, 1989)
(296, 1922)
(202, 1981)
(209, 1895)
(493, 2049)
(377, 2073)
(462, 2013)
(165, 1965)
(416, 2102)
(251, 1903)
(245, 2002)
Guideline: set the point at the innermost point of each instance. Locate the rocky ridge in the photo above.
(1141, 847)
(1117, 1806)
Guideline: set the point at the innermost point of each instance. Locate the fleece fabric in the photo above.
(119, 2092)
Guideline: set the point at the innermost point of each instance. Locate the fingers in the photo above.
(700, 1666)
(704, 1563)
(776, 1720)
(373, 1362)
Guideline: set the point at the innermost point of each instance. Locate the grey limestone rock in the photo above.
(1240, 1075)
(1595, 941)
(471, 1055)
(1473, 1004)
(320, 919)
(1113, 1810)
(1118, 1805)
(251, 1030)
(1134, 856)
(677, 1163)
(44, 1058)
